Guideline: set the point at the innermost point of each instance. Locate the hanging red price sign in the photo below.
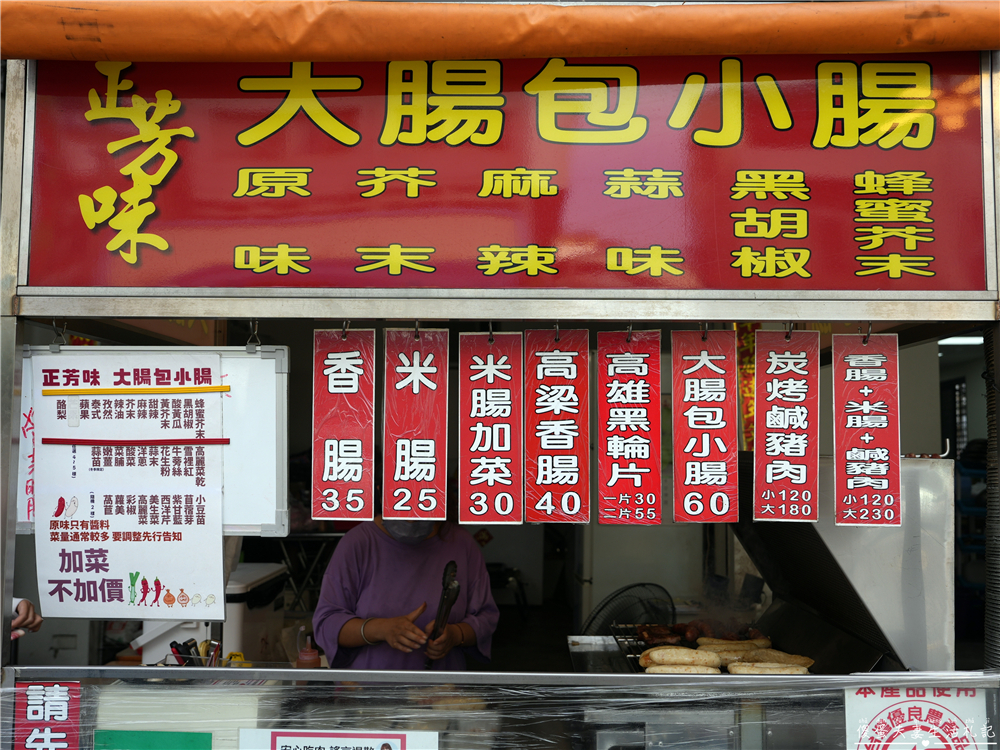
(786, 426)
(866, 430)
(706, 426)
(557, 426)
(415, 433)
(490, 426)
(628, 427)
(343, 456)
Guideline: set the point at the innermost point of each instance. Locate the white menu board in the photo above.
(128, 485)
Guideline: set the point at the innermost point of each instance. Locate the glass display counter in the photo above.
(266, 709)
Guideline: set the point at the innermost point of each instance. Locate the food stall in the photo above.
(486, 234)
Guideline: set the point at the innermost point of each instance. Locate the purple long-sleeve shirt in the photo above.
(373, 575)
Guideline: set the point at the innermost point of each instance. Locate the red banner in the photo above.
(866, 430)
(788, 172)
(47, 715)
(706, 426)
(490, 428)
(415, 431)
(343, 458)
(629, 484)
(786, 429)
(557, 426)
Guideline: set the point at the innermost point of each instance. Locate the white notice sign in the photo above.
(347, 739)
(925, 718)
(128, 485)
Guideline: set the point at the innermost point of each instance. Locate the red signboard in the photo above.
(47, 715)
(415, 431)
(628, 427)
(490, 428)
(786, 429)
(343, 458)
(557, 426)
(674, 173)
(706, 426)
(866, 430)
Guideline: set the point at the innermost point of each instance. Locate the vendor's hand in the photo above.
(26, 617)
(400, 632)
(451, 637)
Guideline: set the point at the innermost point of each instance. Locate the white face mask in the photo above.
(408, 532)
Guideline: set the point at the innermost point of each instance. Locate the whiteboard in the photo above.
(254, 418)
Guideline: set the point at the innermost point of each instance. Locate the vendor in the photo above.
(380, 595)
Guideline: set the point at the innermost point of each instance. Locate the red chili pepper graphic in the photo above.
(60, 507)
(145, 590)
(159, 587)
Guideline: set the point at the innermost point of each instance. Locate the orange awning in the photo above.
(286, 30)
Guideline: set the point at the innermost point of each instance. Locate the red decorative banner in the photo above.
(706, 426)
(343, 458)
(557, 426)
(786, 429)
(866, 430)
(745, 375)
(47, 715)
(628, 427)
(752, 173)
(415, 433)
(490, 428)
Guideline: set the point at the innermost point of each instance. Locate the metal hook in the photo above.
(491, 333)
(254, 340)
(788, 331)
(864, 341)
(703, 327)
(416, 330)
(628, 335)
(557, 331)
(59, 336)
(343, 331)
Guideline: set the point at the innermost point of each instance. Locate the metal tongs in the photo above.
(449, 593)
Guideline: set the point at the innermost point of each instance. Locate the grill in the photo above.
(631, 645)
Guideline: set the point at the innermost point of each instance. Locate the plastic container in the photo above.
(255, 612)
(308, 657)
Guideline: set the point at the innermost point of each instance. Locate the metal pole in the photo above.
(10, 359)
(992, 655)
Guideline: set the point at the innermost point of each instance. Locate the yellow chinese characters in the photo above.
(583, 90)
(651, 183)
(792, 223)
(893, 220)
(395, 258)
(893, 209)
(876, 236)
(730, 131)
(530, 260)
(281, 259)
(882, 105)
(533, 183)
(146, 117)
(460, 102)
(772, 263)
(780, 183)
(653, 260)
(412, 177)
(871, 182)
(272, 183)
(895, 265)
(301, 87)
